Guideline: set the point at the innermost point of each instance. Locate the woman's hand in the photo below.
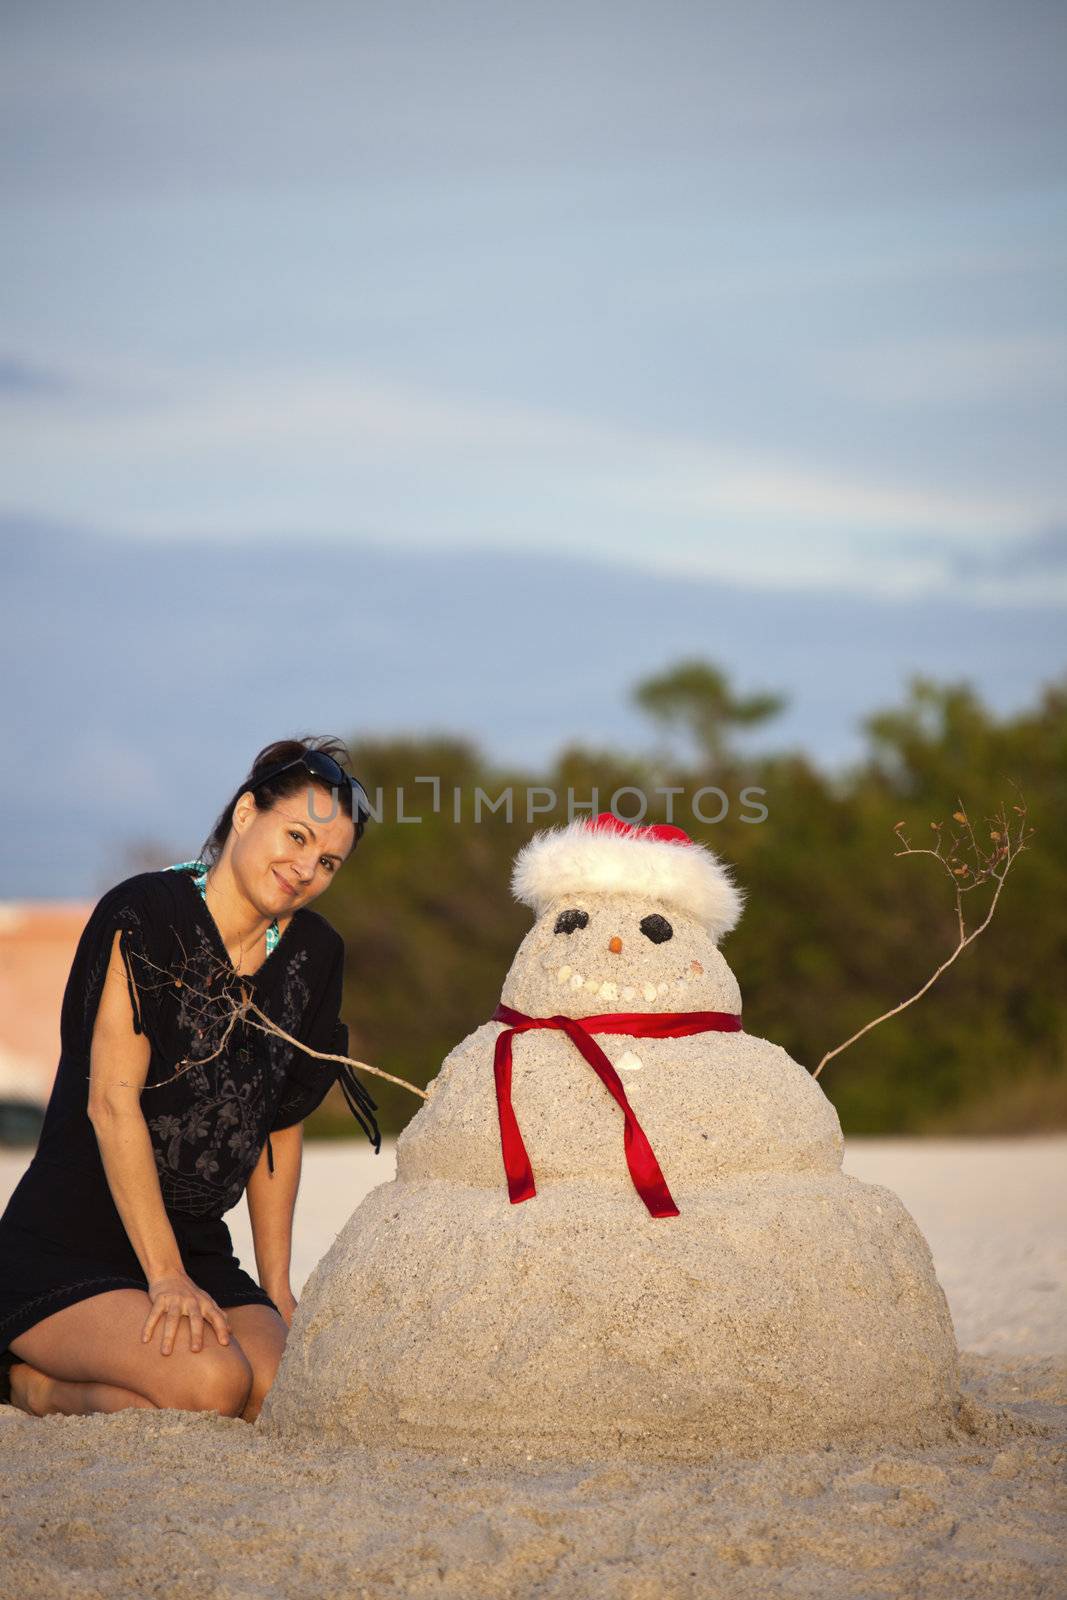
(283, 1298)
(175, 1296)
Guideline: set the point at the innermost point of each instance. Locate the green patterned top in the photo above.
(199, 873)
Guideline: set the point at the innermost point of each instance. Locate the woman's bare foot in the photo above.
(41, 1396)
(29, 1388)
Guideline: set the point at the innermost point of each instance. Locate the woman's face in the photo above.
(285, 857)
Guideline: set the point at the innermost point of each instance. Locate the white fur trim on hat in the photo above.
(565, 863)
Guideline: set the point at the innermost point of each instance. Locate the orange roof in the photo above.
(38, 939)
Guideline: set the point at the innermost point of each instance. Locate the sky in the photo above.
(760, 298)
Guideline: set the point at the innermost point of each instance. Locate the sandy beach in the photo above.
(185, 1503)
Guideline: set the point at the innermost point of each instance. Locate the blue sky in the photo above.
(759, 295)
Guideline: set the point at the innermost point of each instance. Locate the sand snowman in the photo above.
(619, 1225)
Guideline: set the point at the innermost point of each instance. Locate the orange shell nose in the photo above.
(615, 945)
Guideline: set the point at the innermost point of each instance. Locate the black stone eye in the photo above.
(567, 921)
(656, 928)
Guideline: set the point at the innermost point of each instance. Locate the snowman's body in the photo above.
(785, 1306)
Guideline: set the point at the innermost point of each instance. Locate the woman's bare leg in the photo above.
(41, 1396)
(262, 1332)
(96, 1345)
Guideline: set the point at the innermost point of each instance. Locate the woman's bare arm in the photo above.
(271, 1203)
(118, 1068)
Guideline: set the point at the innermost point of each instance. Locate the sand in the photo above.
(182, 1503)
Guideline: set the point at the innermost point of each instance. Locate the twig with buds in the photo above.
(986, 865)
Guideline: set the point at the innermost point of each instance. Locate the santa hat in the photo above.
(607, 856)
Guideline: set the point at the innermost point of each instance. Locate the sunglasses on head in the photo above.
(319, 765)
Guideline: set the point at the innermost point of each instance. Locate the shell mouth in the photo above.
(610, 989)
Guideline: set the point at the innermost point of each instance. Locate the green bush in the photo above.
(837, 929)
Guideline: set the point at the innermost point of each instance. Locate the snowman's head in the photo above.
(628, 919)
(593, 953)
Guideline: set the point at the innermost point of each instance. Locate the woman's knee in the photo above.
(98, 1340)
(215, 1378)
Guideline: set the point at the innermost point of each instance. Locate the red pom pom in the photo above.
(608, 822)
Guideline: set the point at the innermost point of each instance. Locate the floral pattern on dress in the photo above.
(217, 1113)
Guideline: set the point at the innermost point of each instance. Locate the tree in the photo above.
(697, 697)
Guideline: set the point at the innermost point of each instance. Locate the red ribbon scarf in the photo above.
(644, 1168)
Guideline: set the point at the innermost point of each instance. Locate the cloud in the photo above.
(120, 93)
(952, 372)
(1034, 555)
(458, 449)
(1041, 552)
(1037, 555)
(22, 379)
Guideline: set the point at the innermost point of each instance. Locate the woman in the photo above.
(168, 1105)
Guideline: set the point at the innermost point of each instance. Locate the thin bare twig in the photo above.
(320, 1055)
(989, 866)
(245, 1010)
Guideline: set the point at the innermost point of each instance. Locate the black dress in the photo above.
(210, 1101)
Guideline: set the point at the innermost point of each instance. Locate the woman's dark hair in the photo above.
(286, 783)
